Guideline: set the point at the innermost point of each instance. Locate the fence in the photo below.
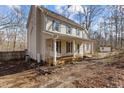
(12, 55)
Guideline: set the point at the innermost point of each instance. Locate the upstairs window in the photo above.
(77, 32)
(56, 25)
(68, 30)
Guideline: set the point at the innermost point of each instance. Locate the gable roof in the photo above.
(57, 17)
(60, 17)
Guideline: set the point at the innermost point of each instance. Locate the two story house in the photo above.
(51, 36)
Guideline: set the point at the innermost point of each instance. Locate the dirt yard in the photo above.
(108, 72)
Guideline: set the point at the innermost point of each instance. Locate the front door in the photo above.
(58, 46)
(78, 48)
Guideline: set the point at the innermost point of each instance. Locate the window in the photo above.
(68, 47)
(55, 25)
(68, 30)
(77, 32)
(102, 48)
(78, 48)
(58, 46)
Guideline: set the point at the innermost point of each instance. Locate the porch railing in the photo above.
(50, 54)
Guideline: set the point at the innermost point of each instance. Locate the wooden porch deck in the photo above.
(65, 60)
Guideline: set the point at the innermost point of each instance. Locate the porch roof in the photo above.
(66, 36)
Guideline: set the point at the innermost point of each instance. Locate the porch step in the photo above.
(68, 60)
(64, 60)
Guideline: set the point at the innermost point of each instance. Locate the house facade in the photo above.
(51, 36)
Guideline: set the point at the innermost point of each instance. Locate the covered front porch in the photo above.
(65, 48)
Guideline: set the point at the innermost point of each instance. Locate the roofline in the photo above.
(53, 33)
(29, 16)
(60, 17)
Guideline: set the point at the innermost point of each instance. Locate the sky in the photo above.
(5, 9)
(74, 10)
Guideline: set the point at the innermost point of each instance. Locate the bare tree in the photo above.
(91, 12)
(13, 24)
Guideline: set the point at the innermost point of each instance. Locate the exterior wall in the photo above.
(35, 37)
(63, 28)
(73, 31)
(82, 33)
(32, 45)
(81, 49)
(63, 47)
(87, 48)
(38, 33)
(44, 45)
(32, 35)
(48, 24)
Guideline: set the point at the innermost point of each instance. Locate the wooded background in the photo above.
(13, 30)
(105, 24)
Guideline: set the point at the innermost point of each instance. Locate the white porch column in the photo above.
(83, 49)
(55, 53)
(74, 48)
